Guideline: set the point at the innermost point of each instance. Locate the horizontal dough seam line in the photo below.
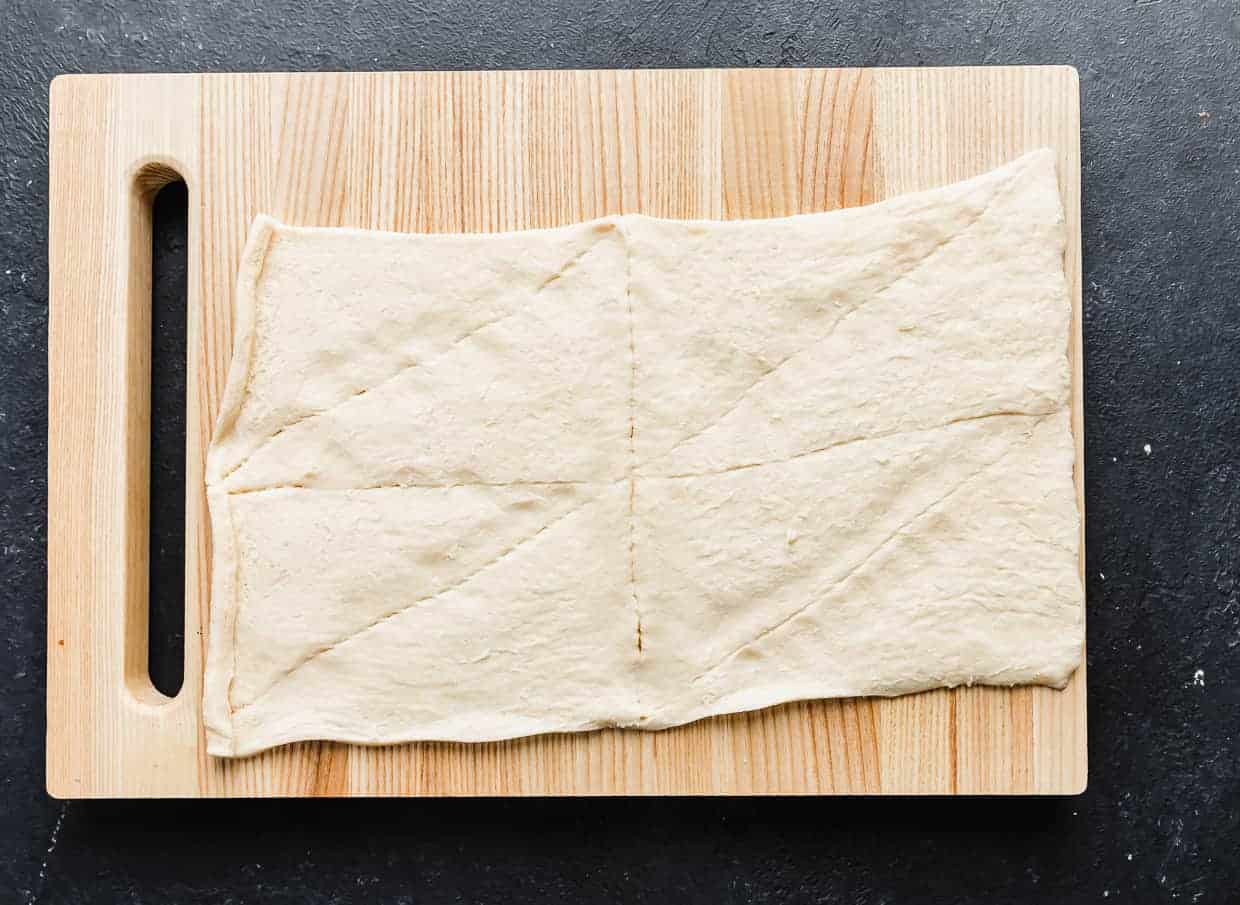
(456, 585)
(1000, 192)
(397, 485)
(883, 435)
(899, 530)
(310, 416)
(638, 476)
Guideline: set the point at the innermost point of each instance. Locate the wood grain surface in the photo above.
(473, 151)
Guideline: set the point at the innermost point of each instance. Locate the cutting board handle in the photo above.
(113, 143)
(146, 178)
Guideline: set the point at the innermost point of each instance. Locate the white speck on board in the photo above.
(1130, 856)
(1147, 449)
(1199, 678)
(1102, 575)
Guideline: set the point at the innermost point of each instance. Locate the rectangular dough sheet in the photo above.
(636, 472)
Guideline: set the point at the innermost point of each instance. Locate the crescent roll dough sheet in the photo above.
(635, 472)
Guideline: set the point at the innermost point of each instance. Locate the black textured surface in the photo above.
(1161, 819)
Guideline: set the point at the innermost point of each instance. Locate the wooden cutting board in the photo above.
(474, 151)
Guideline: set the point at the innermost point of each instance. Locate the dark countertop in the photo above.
(1160, 821)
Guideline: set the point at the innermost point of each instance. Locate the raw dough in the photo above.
(635, 472)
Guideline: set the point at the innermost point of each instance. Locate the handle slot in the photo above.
(158, 286)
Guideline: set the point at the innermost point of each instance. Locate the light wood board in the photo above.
(475, 152)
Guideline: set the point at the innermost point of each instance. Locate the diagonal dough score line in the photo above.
(854, 470)
(847, 441)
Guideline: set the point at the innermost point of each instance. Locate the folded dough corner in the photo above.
(635, 472)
